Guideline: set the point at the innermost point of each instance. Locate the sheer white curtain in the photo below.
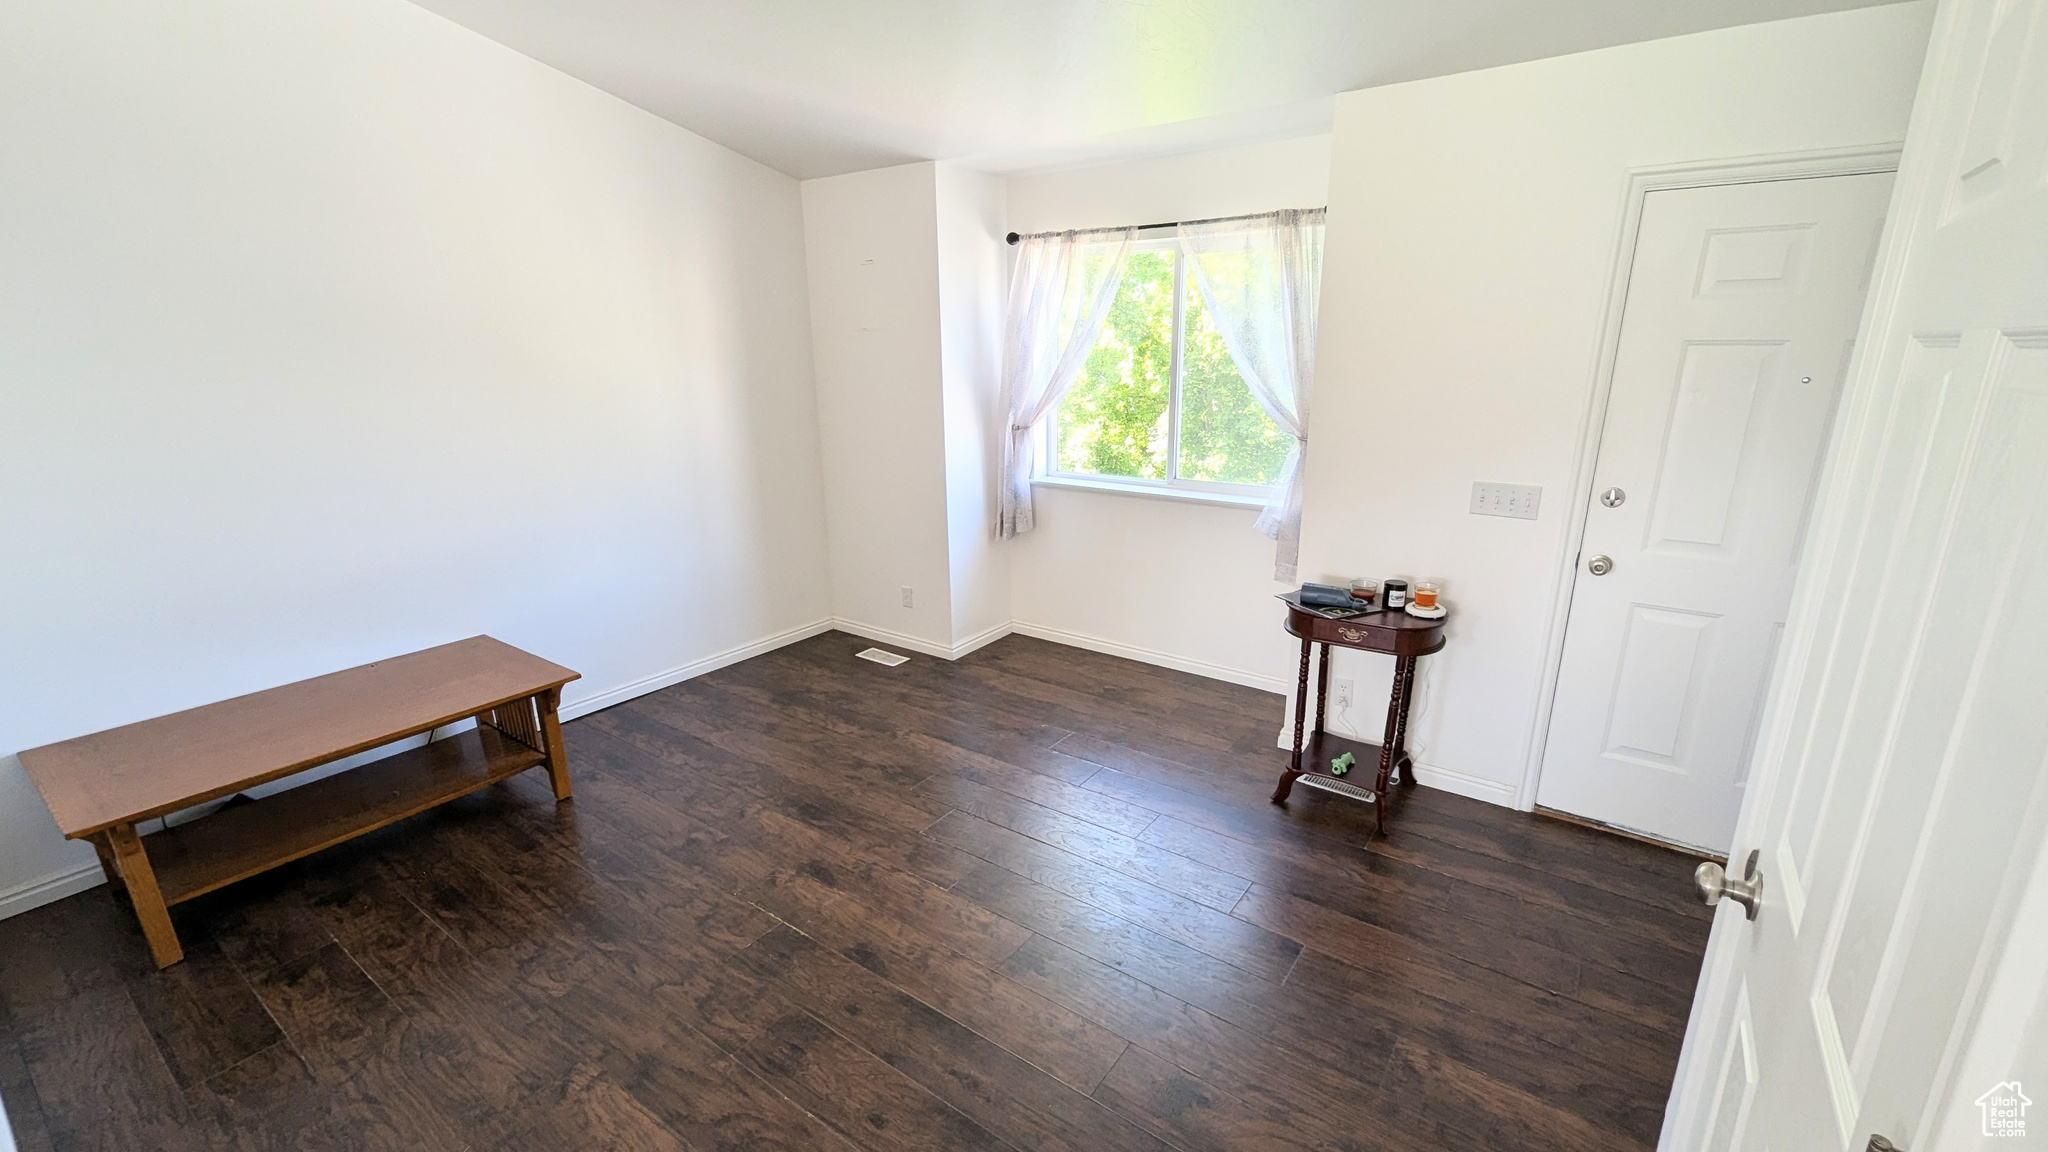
(1261, 280)
(1060, 292)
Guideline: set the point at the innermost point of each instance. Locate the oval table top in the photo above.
(1394, 632)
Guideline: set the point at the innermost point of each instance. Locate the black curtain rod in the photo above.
(1014, 237)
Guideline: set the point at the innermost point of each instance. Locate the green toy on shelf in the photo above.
(1342, 764)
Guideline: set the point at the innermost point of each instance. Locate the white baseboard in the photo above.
(1149, 656)
(882, 635)
(983, 639)
(682, 672)
(1466, 784)
(55, 886)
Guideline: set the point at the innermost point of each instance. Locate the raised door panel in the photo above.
(1735, 1085)
(1664, 653)
(2001, 142)
(1746, 261)
(1713, 404)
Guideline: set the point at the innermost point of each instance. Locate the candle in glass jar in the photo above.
(1426, 593)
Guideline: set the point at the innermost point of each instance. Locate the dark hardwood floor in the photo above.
(1034, 900)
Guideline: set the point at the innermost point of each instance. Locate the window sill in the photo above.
(1152, 492)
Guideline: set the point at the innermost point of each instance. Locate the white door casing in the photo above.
(1741, 307)
(1899, 797)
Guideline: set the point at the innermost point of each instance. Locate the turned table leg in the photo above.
(1403, 763)
(1300, 717)
(145, 895)
(1322, 692)
(1397, 712)
(551, 734)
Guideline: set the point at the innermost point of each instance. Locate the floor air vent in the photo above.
(881, 657)
(1336, 787)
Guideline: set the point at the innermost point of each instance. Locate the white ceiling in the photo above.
(816, 87)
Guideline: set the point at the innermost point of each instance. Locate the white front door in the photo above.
(1900, 791)
(1741, 309)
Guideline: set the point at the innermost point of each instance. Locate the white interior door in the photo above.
(1899, 803)
(1741, 310)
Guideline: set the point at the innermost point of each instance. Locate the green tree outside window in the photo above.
(1115, 420)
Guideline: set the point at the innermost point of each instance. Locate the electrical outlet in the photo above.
(1519, 501)
(907, 598)
(1343, 692)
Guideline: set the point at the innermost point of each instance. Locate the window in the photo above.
(1159, 403)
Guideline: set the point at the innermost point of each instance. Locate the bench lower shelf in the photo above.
(235, 843)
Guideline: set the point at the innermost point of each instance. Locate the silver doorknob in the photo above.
(1600, 565)
(1880, 1144)
(1712, 883)
(1613, 497)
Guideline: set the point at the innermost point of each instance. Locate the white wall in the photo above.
(1473, 231)
(333, 331)
(1184, 584)
(906, 288)
(873, 245)
(973, 283)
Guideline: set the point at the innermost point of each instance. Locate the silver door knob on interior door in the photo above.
(1713, 884)
(1613, 497)
(1880, 1144)
(1600, 565)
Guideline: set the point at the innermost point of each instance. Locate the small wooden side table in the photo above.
(1406, 638)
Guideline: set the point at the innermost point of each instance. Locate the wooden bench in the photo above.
(99, 787)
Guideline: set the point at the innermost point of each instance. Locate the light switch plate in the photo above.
(1517, 500)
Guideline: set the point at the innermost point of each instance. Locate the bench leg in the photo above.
(108, 866)
(551, 735)
(145, 895)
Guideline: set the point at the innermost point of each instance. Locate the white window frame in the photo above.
(1173, 485)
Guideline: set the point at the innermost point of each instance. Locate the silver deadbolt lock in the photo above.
(1613, 497)
(1600, 565)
